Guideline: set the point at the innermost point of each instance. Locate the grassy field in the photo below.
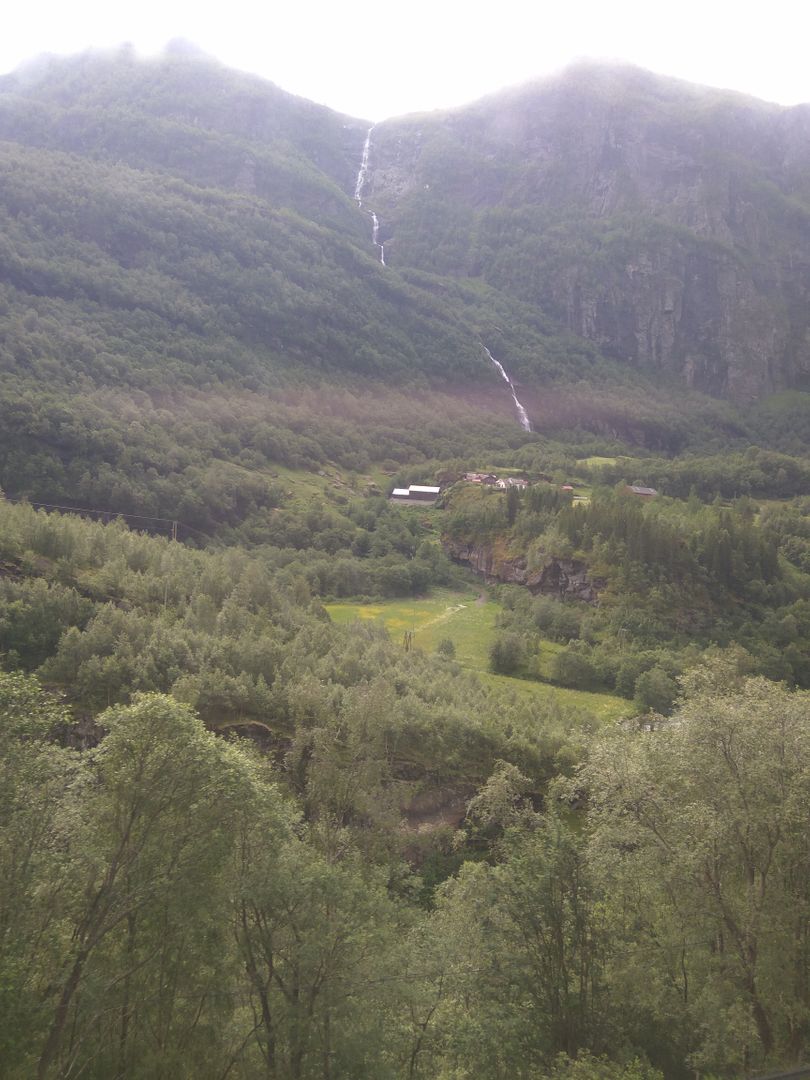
(469, 622)
(445, 614)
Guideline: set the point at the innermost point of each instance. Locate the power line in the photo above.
(173, 522)
(88, 510)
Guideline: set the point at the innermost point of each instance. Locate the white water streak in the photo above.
(523, 416)
(361, 176)
(375, 232)
(358, 195)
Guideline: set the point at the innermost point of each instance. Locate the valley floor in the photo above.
(468, 619)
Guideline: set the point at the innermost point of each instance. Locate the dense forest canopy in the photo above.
(243, 836)
(180, 903)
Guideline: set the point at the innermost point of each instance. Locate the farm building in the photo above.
(644, 492)
(416, 493)
(424, 493)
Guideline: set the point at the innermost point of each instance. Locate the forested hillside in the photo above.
(181, 257)
(146, 277)
(245, 834)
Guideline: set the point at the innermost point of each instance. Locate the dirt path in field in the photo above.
(445, 615)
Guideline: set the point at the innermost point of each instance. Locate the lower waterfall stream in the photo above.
(523, 416)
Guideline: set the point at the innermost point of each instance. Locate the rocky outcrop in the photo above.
(556, 577)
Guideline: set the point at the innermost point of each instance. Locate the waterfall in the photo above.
(358, 196)
(375, 231)
(523, 416)
(361, 175)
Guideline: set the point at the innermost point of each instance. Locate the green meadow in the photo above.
(468, 619)
(445, 614)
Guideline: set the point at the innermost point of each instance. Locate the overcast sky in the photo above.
(381, 59)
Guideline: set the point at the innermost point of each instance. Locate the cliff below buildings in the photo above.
(562, 578)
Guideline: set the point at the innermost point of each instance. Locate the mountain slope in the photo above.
(187, 284)
(189, 117)
(668, 224)
(211, 216)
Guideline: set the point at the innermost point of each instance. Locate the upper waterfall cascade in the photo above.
(358, 196)
(523, 416)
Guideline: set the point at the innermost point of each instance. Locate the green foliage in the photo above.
(501, 803)
(200, 287)
(573, 667)
(655, 690)
(35, 778)
(446, 648)
(183, 884)
(754, 472)
(697, 828)
(784, 421)
(506, 655)
(530, 955)
(236, 636)
(559, 622)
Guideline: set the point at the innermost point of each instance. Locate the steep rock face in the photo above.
(556, 577)
(668, 224)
